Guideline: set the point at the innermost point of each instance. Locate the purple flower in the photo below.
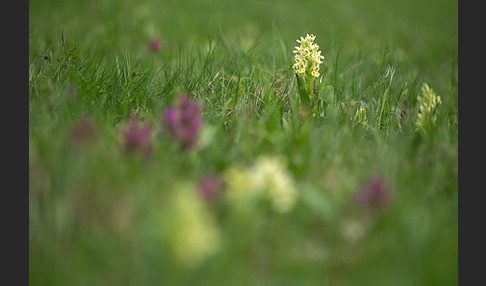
(83, 131)
(374, 193)
(137, 138)
(208, 187)
(184, 121)
(155, 45)
(403, 113)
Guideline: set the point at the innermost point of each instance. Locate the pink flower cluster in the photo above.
(209, 186)
(137, 138)
(155, 45)
(83, 131)
(183, 121)
(374, 193)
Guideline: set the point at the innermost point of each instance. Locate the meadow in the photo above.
(171, 143)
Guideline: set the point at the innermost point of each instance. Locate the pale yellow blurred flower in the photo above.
(428, 103)
(277, 182)
(353, 230)
(240, 183)
(195, 235)
(267, 177)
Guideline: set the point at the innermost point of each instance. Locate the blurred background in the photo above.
(421, 29)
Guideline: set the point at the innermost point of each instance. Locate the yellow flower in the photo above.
(307, 57)
(276, 182)
(195, 235)
(428, 103)
(240, 184)
(268, 178)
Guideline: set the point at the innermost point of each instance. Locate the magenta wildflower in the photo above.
(184, 121)
(208, 187)
(83, 131)
(136, 138)
(155, 45)
(403, 114)
(375, 193)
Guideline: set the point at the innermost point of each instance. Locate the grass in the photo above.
(100, 216)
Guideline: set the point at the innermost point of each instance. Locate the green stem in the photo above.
(302, 91)
(309, 84)
(382, 107)
(392, 72)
